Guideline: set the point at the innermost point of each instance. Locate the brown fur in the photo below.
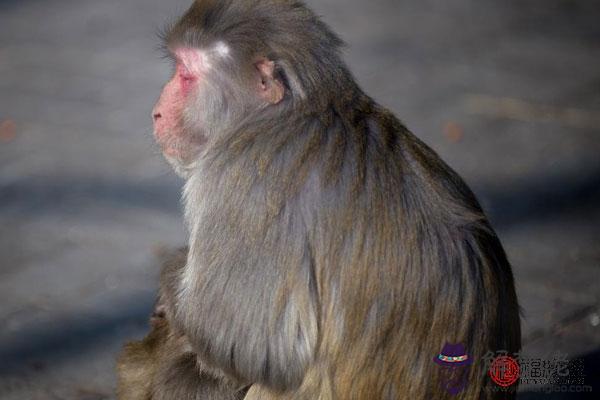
(332, 253)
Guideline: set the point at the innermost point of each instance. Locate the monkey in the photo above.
(332, 253)
(163, 366)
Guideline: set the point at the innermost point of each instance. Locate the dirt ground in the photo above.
(507, 91)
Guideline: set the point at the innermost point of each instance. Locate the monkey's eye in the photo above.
(187, 81)
(187, 77)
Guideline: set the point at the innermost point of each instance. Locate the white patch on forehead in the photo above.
(198, 61)
(222, 49)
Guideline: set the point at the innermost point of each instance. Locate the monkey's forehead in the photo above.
(198, 60)
(194, 60)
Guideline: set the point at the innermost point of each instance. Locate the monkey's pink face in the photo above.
(177, 140)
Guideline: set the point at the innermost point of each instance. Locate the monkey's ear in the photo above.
(270, 87)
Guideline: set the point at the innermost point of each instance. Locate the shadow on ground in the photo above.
(59, 340)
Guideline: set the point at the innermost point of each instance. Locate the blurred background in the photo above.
(507, 91)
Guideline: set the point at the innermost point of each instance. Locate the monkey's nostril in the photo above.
(156, 116)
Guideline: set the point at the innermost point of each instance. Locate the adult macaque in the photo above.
(163, 366)
(332, 254)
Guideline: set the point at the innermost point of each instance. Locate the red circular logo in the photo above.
(504, 371)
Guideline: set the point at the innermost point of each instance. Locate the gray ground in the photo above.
(507, 91)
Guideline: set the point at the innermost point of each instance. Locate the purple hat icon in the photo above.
(453, 354)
